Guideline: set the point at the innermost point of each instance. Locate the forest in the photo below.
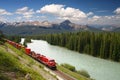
(104, 45)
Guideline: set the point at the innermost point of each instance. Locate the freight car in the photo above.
(47, 61)
(39, 57)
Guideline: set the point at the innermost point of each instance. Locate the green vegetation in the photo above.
(74, 74)
(3, 77)
(27, 40)
(2, 41)
(12, 67)
(16, 38)
(103, 44)
(68, 66)
(25, 44)
(9, 64)
(84, 73)
(72, 68)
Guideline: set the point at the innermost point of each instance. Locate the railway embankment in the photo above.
(15, 65)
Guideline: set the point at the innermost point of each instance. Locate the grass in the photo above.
(34, 75)
(73, 74)
(11, 64)
(68, 66)
(84, 73)
(21, 53)
(72, 68)
(3, 77)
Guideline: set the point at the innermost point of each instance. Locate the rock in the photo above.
(28, 77)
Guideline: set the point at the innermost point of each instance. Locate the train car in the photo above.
(28, 51)
(37, 56)
(43, 59)
(33, 54)
(47, 61)
(18, 46)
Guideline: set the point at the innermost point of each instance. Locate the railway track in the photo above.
(59, 75)
(63, 75)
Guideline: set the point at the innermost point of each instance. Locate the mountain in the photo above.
(65, 25)
(117, 29)
(2, 24)
(45, 27)
(68, 25)
(112, 28)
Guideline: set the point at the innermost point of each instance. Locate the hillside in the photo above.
(14, 65)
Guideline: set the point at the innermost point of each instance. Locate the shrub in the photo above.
(68, 66)
(1, 43)
(25, 44)
(84, 73)
(27, 40)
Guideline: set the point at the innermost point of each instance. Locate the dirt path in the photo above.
(63, 75)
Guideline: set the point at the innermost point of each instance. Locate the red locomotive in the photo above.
(39, 57)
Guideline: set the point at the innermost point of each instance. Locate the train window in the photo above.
(52, 60)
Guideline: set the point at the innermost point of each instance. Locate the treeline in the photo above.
(104, 44)
(15, 38)
(2, 41)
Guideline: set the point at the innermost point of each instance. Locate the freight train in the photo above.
(39, 57)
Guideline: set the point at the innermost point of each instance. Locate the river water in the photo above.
(98, 69)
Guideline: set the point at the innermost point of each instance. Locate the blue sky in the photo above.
(79, 11)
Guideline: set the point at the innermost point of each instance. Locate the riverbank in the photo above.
(73, 74)
(105, 45)
(32, 69)
(96, 67)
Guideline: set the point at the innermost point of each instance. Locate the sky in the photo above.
(98, 12)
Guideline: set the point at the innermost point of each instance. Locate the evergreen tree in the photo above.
(104, 45)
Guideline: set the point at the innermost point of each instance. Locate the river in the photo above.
(98, 69)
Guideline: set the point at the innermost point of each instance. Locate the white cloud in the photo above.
(96, 17)
(4, 12)
(26, 12)
(62, 12)
(104, 20)
(2, 19)
(18, 18)
(58, 12)
(53, 9)
(90, 14)
(93, 19)
(117, 11)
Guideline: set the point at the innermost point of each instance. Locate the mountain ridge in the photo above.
(45, 27)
